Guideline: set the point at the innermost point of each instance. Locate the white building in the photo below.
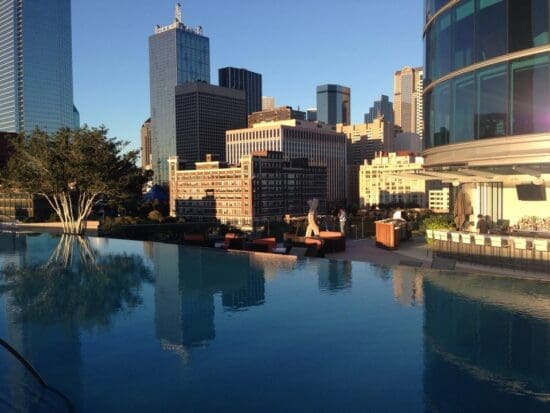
(384, 180)
(320, 144)
(439, 200)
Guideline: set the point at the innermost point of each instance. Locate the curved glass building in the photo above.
(487, 97)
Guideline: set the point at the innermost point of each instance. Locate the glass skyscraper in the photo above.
(178, 54)
(382, 107)
(36, 73)
(333, 104)
(242, 79)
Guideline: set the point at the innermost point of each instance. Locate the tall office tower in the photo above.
(334, 104)
(146, 144)
(420, 105)
(268, 103)
(203, 114)
(311, 114)
(382, 107)
(242, 79)
(178, 54)
(36, 72)
(320, 144)
(407, 89)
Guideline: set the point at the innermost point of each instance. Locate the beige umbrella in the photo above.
(460, 209)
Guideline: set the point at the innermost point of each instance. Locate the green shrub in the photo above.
(435, 222)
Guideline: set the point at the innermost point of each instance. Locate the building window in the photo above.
(463, 109)
(492, 102)
(528, 24)
(531, 95)
(463, 35)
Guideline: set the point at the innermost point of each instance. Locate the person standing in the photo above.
(482, 225)
(342, 217)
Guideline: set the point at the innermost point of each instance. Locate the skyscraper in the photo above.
(334, 104)
(382, 107)
(178, 54)
(203, 114)
(36, 73)
(146, 144)
(242, 79)
(407, 88)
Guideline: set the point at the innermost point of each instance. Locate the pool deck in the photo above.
(417, 253)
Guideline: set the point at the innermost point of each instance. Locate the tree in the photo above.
(72, 169)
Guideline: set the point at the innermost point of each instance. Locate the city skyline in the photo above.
(111, 83)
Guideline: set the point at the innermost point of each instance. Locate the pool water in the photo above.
(124, 326)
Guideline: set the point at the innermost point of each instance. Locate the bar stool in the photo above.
(500, 245)
(467, 242)
(542, 248)
(455, 238)
(522, 250)
(430, 234)
(443, 237)
(481, 240)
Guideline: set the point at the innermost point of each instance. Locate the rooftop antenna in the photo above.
(179, 13)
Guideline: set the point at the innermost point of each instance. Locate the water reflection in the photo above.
(49, 303)
(487, 344)
(408, 287)
(335, 276)
(187, 281)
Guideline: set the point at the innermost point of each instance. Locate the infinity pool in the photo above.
(123, 326)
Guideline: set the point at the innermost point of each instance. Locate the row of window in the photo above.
(477, 30)
(501, 100)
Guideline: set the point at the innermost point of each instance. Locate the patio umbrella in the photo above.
(460, 209)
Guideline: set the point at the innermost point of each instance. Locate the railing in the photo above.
(508, 251)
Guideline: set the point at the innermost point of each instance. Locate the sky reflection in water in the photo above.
(131, 326)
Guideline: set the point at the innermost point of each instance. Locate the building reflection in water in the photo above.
(407, 286)
(187, 281)
(50, 301)
(334, 275)
(487, 344)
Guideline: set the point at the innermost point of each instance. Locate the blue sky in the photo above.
(295, 44)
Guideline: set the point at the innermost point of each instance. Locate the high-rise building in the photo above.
(203, 114)
(320, 144)
(268, 103)
(178, 54)
(242, 79)
(263, 187)
(311, 115)
(380, 129)
(486, 104)
(378, 183)
(146, 145)
(333, 104)
(382, 107)
(282, 113)
(36, 72)
(407, 89)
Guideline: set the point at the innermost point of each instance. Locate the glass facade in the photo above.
(242, 79)
(334, 104)
(176, 56)
(504, 99)
(476, 30)
(36, 80)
